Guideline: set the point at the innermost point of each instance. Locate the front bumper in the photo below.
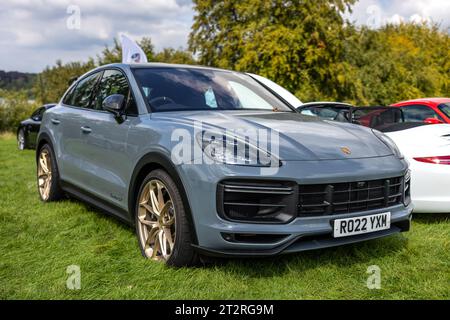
(430, 185)
(302, 233)
(311, 237)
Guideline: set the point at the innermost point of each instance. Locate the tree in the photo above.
(14, 107)
(170, 55)
(51, 83)
(400, 62)
(298, 44)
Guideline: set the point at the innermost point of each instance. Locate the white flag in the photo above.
(131, 52)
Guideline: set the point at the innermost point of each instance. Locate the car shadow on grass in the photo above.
(340, 257)
(431, 218)
(101, 214)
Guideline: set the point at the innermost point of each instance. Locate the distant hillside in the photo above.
(14, 80)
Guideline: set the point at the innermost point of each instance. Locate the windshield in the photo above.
(175, 89)
(326, 112)
(445, 108)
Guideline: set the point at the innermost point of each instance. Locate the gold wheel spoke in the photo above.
(160, 196)
(154, 201)
(169, 222)
(168, 235)
(149, 209)
(151, 236)
(148, 222)
(162, 243)
(47, 188)
(165, 208)
(156, 247)
(43, 163)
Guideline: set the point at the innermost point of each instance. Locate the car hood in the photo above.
(300, 137)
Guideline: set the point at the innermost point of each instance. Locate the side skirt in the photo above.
(96, 202)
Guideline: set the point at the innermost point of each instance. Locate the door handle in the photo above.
(86, 129)
(55, 121)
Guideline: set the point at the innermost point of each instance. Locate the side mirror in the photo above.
(114, 104)
(432, 121)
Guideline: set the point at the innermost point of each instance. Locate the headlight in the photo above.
(389, 143)
(227, 149)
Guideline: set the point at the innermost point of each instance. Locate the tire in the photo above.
(48, 176)
(156, 234)
(21, 140)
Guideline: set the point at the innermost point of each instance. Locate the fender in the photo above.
(151, 161)
(44, 137)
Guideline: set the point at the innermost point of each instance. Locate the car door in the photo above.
(105, 142)
(32, 127)
(71, 152)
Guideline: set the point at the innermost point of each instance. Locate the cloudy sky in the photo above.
(34, 33)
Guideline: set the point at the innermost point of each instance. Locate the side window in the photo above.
(418, 113)
(445, 109)
(68, 98)
(83, 92)
(114, 82)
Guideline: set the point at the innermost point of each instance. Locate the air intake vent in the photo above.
(257, 201)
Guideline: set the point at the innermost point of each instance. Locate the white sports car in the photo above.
(427, 148)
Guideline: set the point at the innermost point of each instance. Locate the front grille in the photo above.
(349, 197)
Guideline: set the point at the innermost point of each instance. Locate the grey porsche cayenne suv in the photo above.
(204, 161)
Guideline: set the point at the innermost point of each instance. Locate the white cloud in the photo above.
(34, 33)
(378, 12)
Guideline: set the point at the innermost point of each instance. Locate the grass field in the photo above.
(39, 241)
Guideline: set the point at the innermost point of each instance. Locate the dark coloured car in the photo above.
(381, 118)
(29, 128)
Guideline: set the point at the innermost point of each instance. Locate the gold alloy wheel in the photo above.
(156, 219)
(44, 174)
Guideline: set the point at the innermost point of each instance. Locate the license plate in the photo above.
(363, 224)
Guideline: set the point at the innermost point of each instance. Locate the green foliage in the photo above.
(298, 44)
(400, 62)
(14, 107)
(14, 80)
(170, 55)
(51, 83)
(307, 47)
